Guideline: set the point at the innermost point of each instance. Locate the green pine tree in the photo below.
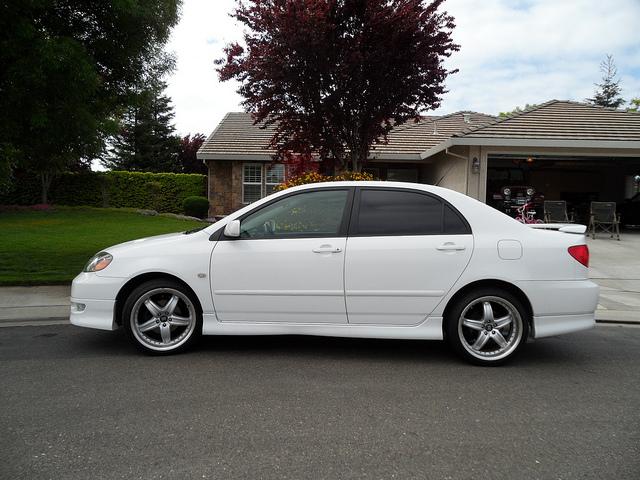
(608, 92)
(147, 141)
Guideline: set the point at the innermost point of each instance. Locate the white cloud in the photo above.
(199, 98)
(512, 53)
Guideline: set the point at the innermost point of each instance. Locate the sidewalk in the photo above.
(615, 266)
(29, 305)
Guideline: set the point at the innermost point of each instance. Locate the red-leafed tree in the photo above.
(187, 151)
(334, 76)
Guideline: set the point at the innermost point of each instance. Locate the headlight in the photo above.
(530, 191)
(98, 262)
(506, 191)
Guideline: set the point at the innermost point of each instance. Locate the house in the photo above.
(565, 150)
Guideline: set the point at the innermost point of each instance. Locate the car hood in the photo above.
(147, 242)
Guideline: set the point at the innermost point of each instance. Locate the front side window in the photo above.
(397, 212)
(309, 214)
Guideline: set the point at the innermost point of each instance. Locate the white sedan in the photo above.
(348, 259)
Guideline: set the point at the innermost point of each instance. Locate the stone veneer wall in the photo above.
(225, 186)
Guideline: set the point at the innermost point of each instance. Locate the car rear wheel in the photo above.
(162, 317)
(487, 327)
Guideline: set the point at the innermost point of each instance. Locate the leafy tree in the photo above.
(517, 110)
(187, 151)
(146, 141)
(65, 68)
(607, 93)
(335, 76)
(634, 105)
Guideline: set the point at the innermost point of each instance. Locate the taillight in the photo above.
(580, 253)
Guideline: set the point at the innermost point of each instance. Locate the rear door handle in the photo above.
(450, 247)
(327, 249)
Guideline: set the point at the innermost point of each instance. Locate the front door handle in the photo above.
(450, 247)
(327, 249)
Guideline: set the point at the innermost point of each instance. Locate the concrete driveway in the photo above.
(615, 266)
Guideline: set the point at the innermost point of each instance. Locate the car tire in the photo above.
(162, 317)
(487, 326)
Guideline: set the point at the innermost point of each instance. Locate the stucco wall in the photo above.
(448, 171)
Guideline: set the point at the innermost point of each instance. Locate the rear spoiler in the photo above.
(561, 227)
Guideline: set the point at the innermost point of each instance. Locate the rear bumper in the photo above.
(551, 325)
(561, 306)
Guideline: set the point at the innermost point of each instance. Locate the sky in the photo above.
(513, 52)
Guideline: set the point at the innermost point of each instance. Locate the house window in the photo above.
(402, 175)
(251, 182)
(260, 180)
(274, 177)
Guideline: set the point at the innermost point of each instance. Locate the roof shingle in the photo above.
(236, 136)
(563, 120)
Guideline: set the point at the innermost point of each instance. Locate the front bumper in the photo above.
(93, 313)
(93, 300)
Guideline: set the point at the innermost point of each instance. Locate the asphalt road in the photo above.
(82, 404)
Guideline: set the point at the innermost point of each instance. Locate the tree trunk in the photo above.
(45, 178)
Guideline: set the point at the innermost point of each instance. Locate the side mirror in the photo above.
(232, 229)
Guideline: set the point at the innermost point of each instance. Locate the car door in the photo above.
(406, 249)
(288, 263)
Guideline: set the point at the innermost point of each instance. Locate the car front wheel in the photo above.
(487, 327)
(162, 317)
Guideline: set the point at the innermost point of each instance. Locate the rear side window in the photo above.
(396, 212)
(453, 222)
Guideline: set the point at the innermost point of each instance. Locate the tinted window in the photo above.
(309, 214)
(453, 222)
(393, 212)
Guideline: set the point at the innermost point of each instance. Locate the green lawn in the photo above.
(47, 247)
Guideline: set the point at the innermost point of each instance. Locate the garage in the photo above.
(557, 151)
(577, 180)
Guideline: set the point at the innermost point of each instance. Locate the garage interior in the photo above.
(578, 180)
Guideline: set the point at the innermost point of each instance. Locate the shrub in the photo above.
(315, 177)
(163, 192)
(196, 206)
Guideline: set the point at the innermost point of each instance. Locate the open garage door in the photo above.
(577, 180)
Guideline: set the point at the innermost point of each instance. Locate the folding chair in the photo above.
(555, 211)
(605, 218)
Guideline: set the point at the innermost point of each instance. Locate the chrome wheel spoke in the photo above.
(490, 327)
(152, 307)
(149, 325)
(163, 319)
(480, 341)
(170, 307)
(179, 321)
(473, 324)
(498, 338)
(487, 312)
(165, 332)
(503, 321)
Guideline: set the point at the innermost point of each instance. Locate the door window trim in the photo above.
(342, 229)
(353, 224)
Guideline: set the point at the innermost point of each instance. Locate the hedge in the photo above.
(164, 192)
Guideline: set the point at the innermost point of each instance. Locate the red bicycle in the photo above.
(526, 214)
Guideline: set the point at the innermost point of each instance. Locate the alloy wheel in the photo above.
(163, 319)
(490, 328)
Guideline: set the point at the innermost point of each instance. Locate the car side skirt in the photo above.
(430, 329)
